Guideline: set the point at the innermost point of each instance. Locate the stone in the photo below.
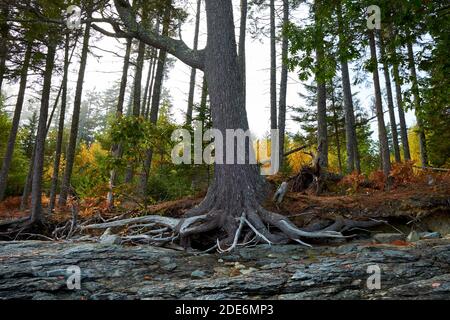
(388, 237)
(198, 274)
(169, 267)
(430, 235)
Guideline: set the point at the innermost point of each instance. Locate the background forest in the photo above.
(114, 145)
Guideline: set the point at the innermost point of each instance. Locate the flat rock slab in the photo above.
(42, 270)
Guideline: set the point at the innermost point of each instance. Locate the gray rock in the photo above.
(388, 237)
(198, 274)
(429, 235)
(35, 270)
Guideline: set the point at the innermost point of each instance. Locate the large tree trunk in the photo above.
(273, 69)
(70, 155)
(350, 127)
(417, 106)
(115, 148)
(241, 48)
(401, 112)
(390, 100)
(59, 139)
(382, 135)
(38, 166)
(235, 195)
(283, 83)
(190, 106)
(15, 123)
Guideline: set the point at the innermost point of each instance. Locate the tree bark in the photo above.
(38, 166)
(15, 122)
(350, 128)
(417, 106)
(59, 139)
(390, 100)
(273, 69)
(147, 91)
(401, 112)
(382, 135)
(70, 155)
(241, 47)
(190, 106)
(283, 83)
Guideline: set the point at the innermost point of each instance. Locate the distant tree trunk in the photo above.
(241, 47)
(322, 137)
(336, 129)
(15, 122)
(70, 155)
(283, 84)
(382, 135)
(156, 99)
(152, 79)
(4, 32)
(350, 127)
(417, 106)
(190, 106)
(401, 112)
(147, 86)
(59, 139)
(390, 100)
(115, 148)
(273, 69)
(138, 80)
(38, 166)
(28, 180)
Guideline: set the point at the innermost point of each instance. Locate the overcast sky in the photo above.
(101, 73)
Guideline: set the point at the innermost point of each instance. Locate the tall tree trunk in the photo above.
(190, 106)
(237, 191)
(417, 106)
(322, 137)
(115, 148)
(382, 135)
(147, 85)
(283, 83)
(38, 166)
(150, 87)
(59, 139)
(4, 32)
(273, 69)
(390, 100)
(156, 99)
(336, 129)
(401, 112)
(241, 47)
(350, 127)
(15, 122)
(138, 80)
(70, 155)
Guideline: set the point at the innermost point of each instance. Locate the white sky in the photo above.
(102, 72)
